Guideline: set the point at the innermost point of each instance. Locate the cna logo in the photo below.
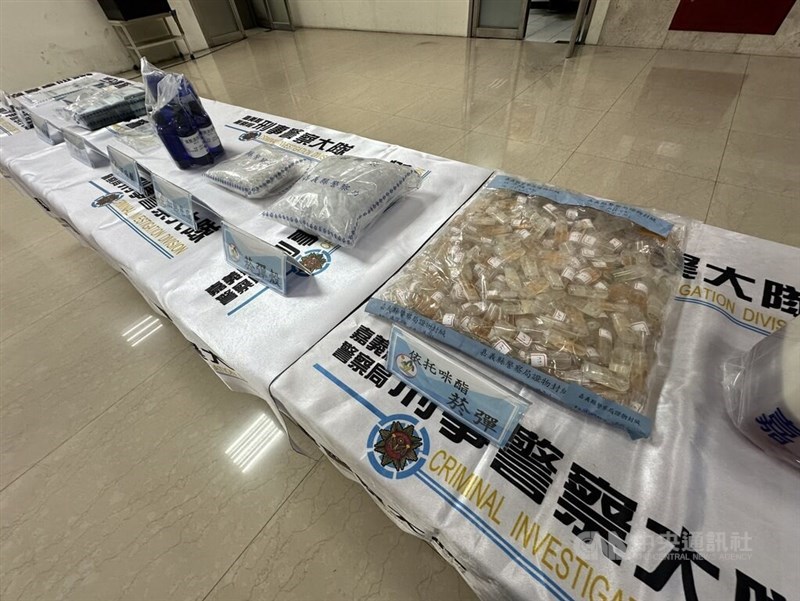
(397, 447)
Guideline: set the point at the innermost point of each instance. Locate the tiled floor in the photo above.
(114, 476)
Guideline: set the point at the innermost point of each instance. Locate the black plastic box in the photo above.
(125, 10)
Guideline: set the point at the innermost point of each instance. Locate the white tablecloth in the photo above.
(573, 508)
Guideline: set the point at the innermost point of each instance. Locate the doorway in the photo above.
(551, 20)
(219, 21)
(508, 19)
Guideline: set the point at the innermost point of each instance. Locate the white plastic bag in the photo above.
(342, 196)
(259, 171)
(762, 393)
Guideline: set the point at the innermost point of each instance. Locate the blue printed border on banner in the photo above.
(495, 537)
(647, 220)
(571, 395)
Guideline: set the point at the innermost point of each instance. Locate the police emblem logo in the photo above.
(250, 135)
(233, 251)
(106, 199)
(398, 446)
(313, 261)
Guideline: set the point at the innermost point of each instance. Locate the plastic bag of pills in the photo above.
(340, 197)
(259, 171)
(567, 292)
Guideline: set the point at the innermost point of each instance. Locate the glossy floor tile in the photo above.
(555, 125)
(644, 186)
(427, 137)
(766, 162)
(689, 150)
(332, 542)
(120, 472)
(145, 502)
(38, 279)
(535, 161)
(50, 391)
(756, 212)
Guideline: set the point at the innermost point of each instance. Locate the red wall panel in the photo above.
(731, 16)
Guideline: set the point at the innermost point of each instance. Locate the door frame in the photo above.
(286, 26)
(233, 36)
(497, 32)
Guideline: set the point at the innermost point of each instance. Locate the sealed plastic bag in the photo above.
(342, 196)
(564, 292)
(762, 393)
(139, 134)
(179, 118)
(259, 171)
(105, 106)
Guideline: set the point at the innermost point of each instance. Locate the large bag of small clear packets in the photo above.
(564, 292)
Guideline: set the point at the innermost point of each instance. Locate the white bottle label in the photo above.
(641, 287)
(640, 326)
(209, 134)
(615, 243)
(592, 352)
(448, 319)
(568, 273)
(600, 286)
(502, 346)
(598, 264)
(583, 277)
(194, 145)
(524, 339)
(588, 252)
(588, 240)
(538, 359)
(603, 333)
(438, 296)
(572, 214)
(575, 237)
(495, 262)
(559, 315)
(524, 234)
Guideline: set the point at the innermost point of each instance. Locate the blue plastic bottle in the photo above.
(169, 136)
(200, 117)
(190, 136)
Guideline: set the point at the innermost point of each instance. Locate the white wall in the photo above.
(439, 17)
(44, 40)
(645, 23)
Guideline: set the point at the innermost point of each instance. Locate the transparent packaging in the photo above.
(105, 106)
(179, 118)
(258, 172)
(138, 134)
(340, 197)
(762, 393)
(573, 291)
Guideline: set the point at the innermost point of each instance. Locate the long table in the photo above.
(571, 508)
